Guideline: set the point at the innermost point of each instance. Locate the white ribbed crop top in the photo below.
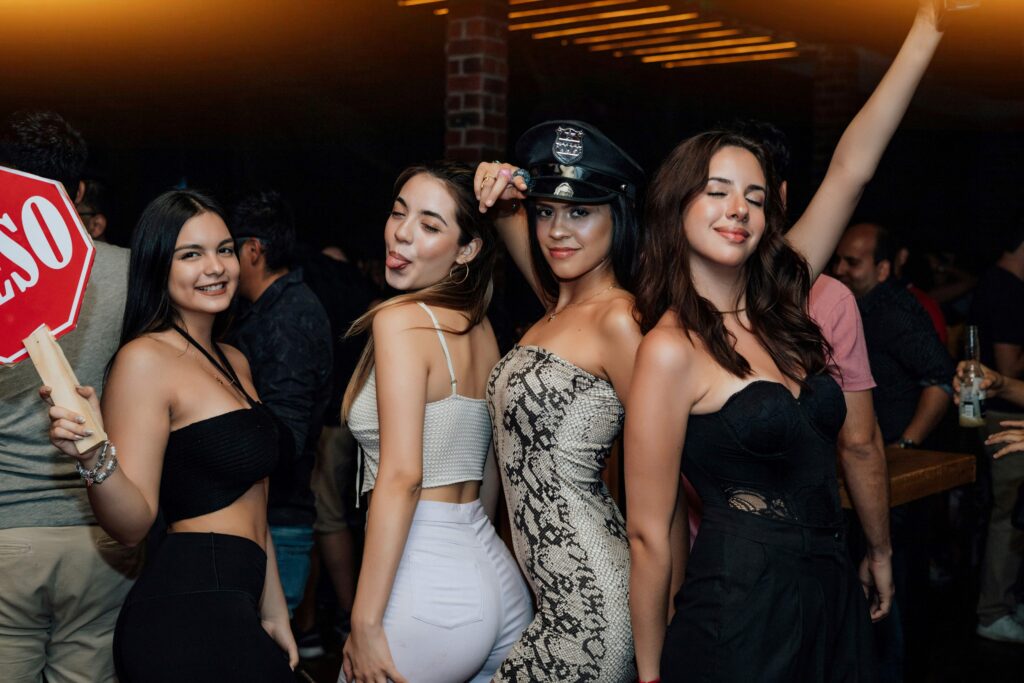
(456, 431)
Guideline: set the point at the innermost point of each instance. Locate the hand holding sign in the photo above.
(45, 259)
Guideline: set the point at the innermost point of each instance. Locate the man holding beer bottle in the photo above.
(998, 313)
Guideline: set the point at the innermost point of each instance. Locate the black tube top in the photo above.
(209, 464)
(768, 453)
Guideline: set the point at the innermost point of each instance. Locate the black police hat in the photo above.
(572, 161)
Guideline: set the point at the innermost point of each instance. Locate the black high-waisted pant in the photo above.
(771, 602)
(193, 616)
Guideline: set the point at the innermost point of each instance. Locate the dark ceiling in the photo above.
(327, 99)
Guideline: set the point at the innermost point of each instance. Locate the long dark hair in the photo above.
(148, 307)
(625, 237)
(777, 278)
(470, 294)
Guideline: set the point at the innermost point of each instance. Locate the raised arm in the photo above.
(856, 158)
(136, 416)
(499, 190)
(662, 393)
(401, 373)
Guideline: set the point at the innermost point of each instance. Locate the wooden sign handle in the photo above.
(56, 373)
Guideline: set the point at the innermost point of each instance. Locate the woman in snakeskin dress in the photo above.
(554, 398)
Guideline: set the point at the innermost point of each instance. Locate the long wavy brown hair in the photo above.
(470, 295)
(777, 278)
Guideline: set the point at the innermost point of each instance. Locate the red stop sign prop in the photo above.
(45, 259)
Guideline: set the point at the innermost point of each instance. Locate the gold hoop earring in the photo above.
(465, 275)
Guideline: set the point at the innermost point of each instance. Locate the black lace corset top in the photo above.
(769, 454)
(209, 464)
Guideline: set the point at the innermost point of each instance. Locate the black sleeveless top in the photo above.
(209, 464)
(770, 454)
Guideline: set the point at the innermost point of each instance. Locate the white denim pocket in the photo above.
(447, 591)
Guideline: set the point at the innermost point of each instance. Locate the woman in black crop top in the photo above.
(732, 375)
(192, 442)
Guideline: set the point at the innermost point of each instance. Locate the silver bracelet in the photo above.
(103, 468)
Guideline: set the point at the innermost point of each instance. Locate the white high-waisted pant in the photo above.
(458, 602)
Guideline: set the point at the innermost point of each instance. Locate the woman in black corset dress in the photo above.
(731, 375)
(187, 436)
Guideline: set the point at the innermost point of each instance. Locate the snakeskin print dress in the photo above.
(554, 424)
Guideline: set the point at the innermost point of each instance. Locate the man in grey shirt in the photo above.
(64, 578)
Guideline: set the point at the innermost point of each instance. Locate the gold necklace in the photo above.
(552, 315)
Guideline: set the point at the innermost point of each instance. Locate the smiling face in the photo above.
(574, 238)
(724, 223)
(422, 235)
(204, 269)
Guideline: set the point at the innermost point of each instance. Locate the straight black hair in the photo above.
(625, 236)
(148, 307)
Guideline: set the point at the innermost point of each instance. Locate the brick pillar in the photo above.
(836, 100)
(475, 107)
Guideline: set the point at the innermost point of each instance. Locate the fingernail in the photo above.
(80, 420)
(88, 432)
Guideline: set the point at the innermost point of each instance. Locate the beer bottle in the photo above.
(972, 396)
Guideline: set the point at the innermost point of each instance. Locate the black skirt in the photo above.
(193, 616)
(768, 601)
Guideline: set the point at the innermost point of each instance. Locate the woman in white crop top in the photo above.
(439, 596)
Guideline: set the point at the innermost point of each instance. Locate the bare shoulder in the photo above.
(668, 347)
(398, 318)
(618, 319)
(144, 354)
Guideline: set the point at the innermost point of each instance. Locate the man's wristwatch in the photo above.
(906, 443)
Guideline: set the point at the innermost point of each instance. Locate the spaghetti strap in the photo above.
(444, 345)
(224, 369)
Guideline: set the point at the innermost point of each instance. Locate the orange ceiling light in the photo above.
(722, 52)
(558, 9)
(653, 31)
(648, 32)
(562, 21)
(604, 47)
(649, 21)
(683, 47)
(732, 60)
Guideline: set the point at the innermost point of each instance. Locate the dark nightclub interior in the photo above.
(327, 101)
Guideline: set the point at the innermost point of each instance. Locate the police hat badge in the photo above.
(564, 190)
(568, 146)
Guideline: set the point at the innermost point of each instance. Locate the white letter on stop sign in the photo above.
(55, 225)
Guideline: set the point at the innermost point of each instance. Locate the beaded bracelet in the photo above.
(103, 467)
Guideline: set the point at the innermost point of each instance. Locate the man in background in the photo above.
(284, 333)
(64, 578)
(998, 311)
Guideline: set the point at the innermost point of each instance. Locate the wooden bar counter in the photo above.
(915, 473)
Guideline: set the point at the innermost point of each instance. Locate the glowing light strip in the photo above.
(589, 17)
(441, 11)
(603, 47)
(649, 32)
(567, 8)
(614, 25)
(731, 60)
(720, 53)
(683, 47)
(413, 3)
